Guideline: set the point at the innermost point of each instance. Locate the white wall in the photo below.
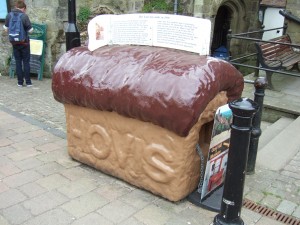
(272, 19)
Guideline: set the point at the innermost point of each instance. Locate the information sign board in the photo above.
(162, 30)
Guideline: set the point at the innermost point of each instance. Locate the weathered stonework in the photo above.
(294, 28)
(55, 14)
(239, 21)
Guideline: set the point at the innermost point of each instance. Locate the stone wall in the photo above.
(244, 17)
(294, 28)
(41, 11)
(54, 13)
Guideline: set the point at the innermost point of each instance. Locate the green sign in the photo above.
(38, 32)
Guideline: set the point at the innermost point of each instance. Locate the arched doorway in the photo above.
(221, 27)
(230, 14)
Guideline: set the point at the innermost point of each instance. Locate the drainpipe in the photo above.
(175, 7)
(289, 16)
(72, 33)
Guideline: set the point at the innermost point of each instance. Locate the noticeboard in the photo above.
(4, 9)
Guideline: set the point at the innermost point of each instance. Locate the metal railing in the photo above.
(257, 67)
(260, 85)
(243, 139)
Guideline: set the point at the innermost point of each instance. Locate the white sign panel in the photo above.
(36, 47)
(163, 30)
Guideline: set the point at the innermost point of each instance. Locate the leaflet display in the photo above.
(218, 151)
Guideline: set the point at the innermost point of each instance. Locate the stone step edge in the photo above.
(281, 149)
(273, 130)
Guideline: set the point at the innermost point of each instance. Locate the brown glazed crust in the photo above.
(167, 87)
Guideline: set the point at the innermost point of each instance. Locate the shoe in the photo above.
(28, 85)
(20, 85)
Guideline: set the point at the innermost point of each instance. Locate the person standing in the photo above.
(21, 49)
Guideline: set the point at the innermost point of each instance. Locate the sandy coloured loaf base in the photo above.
(141, 153)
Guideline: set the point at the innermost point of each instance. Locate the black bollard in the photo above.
(260, 85)
(232, 200)
(72, 33)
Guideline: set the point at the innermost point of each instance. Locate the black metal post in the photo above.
(285, 27)
(175, 7)
(228, 43)
(257, 64)
(256, 72)
(72, 33)
(232, 200)
(260, 85)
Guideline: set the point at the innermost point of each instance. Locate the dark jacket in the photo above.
(25, 19)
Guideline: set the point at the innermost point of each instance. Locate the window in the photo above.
(4, 9)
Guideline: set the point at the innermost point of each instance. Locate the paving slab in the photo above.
(287, 207)
(268, 221)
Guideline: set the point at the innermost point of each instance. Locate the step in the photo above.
(264, 125)
(269, 131)
(281, 149)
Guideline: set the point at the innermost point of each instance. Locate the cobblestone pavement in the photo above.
(40, 184)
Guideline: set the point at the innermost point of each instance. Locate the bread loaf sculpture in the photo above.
(138, 112)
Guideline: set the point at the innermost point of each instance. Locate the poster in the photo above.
(162, 30)
(4, 9)
(218, 151)
(36, 47)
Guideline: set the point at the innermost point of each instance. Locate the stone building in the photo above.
(293, 30)
(237, 15)
(270, 11)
